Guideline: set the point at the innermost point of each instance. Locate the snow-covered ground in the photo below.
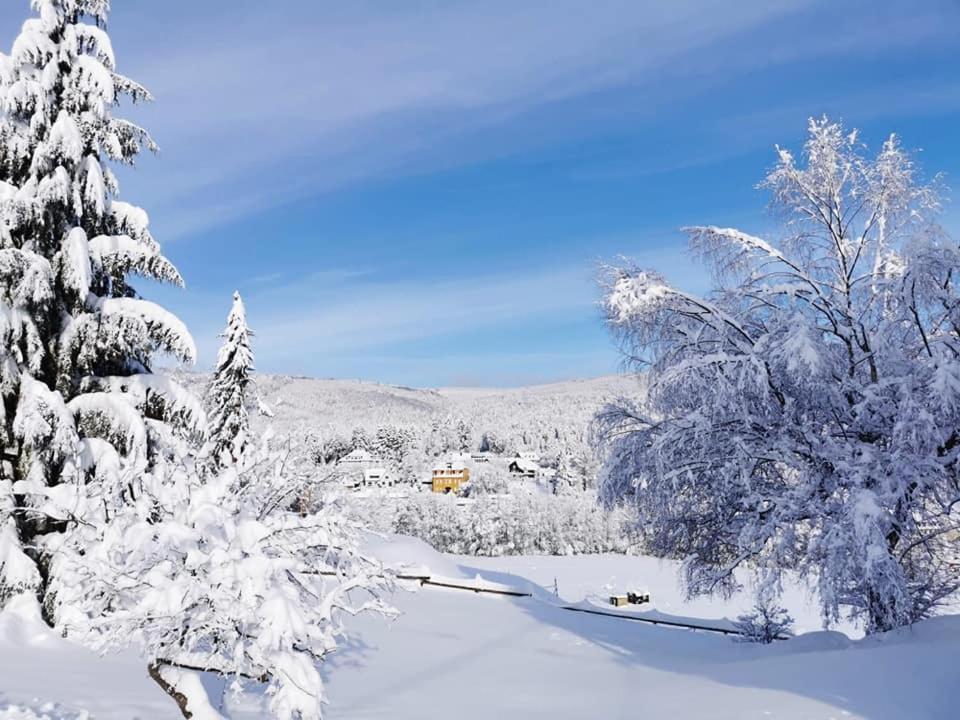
(45, 676)
(594, 578)
(457, 654)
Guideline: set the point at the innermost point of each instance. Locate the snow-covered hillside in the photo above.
(300, 404)
(466, 655)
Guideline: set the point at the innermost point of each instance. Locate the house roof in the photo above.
(525, 465)
(358, 455)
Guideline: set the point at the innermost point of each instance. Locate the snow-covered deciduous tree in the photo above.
(229, 432)
(76, 341)
(219, 573)
(487, 480)
(328, 450)
(806, 415)
(493, 442)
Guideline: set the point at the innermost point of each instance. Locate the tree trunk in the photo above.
(178, 697)
(880, 613)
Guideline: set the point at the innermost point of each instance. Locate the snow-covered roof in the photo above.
(358, 456)
(525, 465)
(452, 464)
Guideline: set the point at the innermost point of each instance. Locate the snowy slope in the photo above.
(593, 578)
(472, 656)
(44, 676)
(456, 654)
(301, 403)
(459, 654)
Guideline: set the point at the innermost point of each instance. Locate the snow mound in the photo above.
(819, 641)
(44, 677)
(42, 711)
(410, 556)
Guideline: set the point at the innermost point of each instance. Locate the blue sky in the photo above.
(420, 192)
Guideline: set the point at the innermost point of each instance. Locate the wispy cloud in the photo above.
(263, 104)
(356, 317)
(858, 106)
(287, 101)
(468, 369)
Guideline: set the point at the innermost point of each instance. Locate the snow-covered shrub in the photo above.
(512, 525)
(218, 573)
(806, 415)
(493, 442)
(490, 480)
(765, 623)
(76, 340)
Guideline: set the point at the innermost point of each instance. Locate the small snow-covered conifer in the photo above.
(227, 395)
(81, 412)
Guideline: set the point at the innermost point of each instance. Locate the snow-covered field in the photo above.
(458, 654)
(593, 578)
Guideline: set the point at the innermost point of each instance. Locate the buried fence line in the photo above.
(491, 591)
(651, 621)
(427, 580)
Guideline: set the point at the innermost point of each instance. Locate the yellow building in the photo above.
(450, 477)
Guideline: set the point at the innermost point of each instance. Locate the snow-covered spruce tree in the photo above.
(217, 572)
(80, 411)
(806, 415)
(229, 432)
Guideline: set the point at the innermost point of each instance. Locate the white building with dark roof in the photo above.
(523, 467)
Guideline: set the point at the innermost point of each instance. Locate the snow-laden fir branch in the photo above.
(76, 341)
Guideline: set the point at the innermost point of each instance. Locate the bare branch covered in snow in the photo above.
(212, 573)
(805, 415)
